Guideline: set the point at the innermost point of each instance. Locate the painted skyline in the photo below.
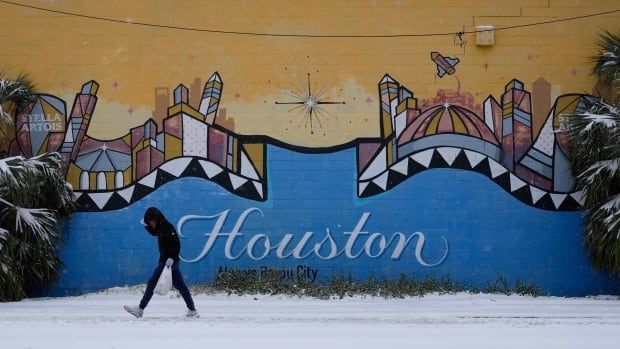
(499, 138)
(499, 141)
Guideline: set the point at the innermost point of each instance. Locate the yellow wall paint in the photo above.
(174, 147)
(109, 180)
(61, 53)
(92, 179)
(127, 177)
(73, 176)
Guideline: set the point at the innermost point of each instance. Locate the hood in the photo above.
(152, 213)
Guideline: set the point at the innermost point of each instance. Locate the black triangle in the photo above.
(114, 203)
(223, 179)
(503, 180)
(248, 190)
(483, 167)
(414, 167)
(461, 161)
(394, 178)
(523, 194)
(162, 177)
(371, 189)
(437, 161)
(86, 204)
(140, 191)
(194, 169)
(546, 203)
(570, 204)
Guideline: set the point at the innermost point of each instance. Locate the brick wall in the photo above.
(475, 226)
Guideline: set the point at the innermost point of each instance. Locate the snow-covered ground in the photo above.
(448, 321)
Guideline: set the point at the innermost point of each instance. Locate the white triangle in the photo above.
(69, 136)
(516, 183)
(149, 180)
(544, 141)
(401, 167)
(449, 154)
(101, 199)
(176, 166)
(474, 158)
(259, 188)
(236, 181)
(361, 187)
(381, 181)
(77, 194)
(536, 194)
(126, 193)
(387, 78)
(247, 169)
(210, 168)
(215, 77)
(496, 168)
(424, 157)
(579, 197)
(558, 199)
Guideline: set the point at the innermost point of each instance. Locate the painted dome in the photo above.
(447, 118)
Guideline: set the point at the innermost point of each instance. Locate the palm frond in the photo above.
(20, 90)
(3, 234)
(607, 61)
(15, 97)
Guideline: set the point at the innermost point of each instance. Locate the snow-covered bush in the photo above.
(34, 198)
(595, 158)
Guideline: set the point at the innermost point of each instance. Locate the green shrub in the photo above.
(249, 282)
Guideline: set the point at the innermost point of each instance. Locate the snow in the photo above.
(613, 203)
(41, 221)
(434, 321)
(608, 166)
(611, 212)
(606, 120)
(3, 233)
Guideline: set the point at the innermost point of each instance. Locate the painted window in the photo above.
(84, 181)
(118, 179)
(101, 181)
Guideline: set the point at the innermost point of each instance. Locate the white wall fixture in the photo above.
(485, 35)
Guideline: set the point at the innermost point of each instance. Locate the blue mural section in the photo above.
(441, 222)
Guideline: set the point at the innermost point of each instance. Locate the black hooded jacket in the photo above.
(167, 239)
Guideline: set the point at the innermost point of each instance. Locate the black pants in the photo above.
(177, 282)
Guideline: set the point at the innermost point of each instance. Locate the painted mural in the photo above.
(447, 188)
(497, 140)
(308, 158)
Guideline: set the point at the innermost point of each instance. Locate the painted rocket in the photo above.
(445, 65)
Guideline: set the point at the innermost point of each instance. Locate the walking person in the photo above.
(169, 248)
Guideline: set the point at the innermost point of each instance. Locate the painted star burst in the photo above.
(309, 103)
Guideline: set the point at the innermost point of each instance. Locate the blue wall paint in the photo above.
(489, 233)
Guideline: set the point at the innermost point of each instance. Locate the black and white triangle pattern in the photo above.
(450, 157)
(169, 171)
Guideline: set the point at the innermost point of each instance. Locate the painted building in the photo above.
(356, 149)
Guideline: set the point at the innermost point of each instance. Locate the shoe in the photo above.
(192, 314)
(135, 311)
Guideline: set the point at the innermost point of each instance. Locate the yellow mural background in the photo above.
(61, 52)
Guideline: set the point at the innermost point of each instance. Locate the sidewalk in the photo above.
(448, 321)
